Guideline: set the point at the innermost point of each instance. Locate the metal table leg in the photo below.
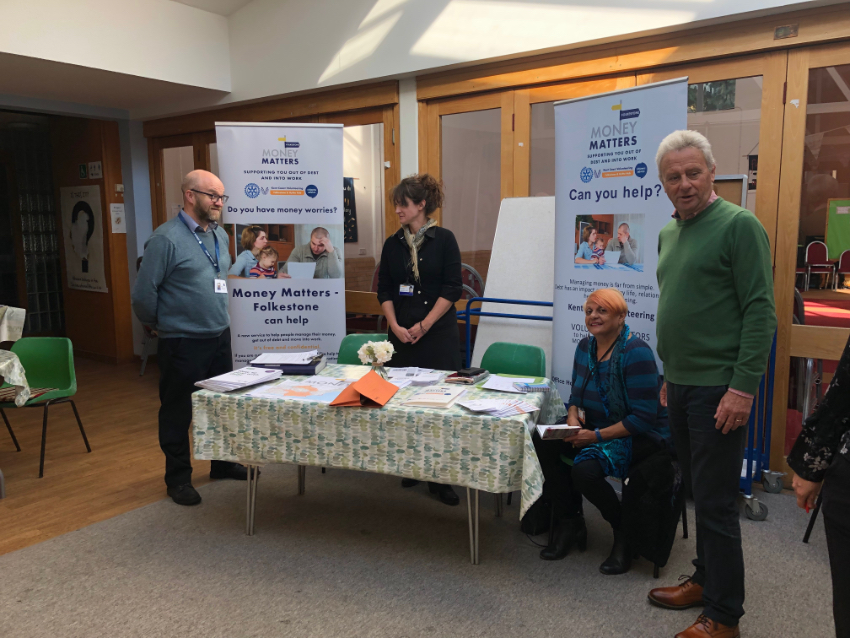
(471, 526)
(253, 473)
(477, 530)
(302, 479)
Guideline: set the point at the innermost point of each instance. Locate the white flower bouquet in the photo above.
(376, 353)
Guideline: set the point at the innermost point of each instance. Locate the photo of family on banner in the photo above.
(610, 207)
(285, 219)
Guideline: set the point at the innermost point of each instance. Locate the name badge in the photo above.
(221, 286)
(405, 290)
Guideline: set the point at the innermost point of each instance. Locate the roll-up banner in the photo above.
(286, 181)
(609, 207)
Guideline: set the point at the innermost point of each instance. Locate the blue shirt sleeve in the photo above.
(641, 376)
(584, 251)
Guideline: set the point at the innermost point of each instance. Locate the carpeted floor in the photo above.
(357, 556)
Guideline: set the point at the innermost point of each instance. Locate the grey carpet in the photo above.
(357, 556)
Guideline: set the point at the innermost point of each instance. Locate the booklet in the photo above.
(560, 431)
(505, 384)
(436, 396)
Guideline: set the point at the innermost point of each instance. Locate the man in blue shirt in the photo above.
(181, 292)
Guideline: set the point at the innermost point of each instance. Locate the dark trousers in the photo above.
(836, 518)
(711, 467)
(182, 362)
(564, 485)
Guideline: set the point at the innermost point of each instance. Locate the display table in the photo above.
(452, 446)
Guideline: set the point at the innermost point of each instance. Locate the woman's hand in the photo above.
(417, 331)
(601, 261)
(806, 491)
(402, 333)
(583, 438)
(572, 417)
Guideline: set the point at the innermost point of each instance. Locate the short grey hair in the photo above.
(680, 140)
(623, 224)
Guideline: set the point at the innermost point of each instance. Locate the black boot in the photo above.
(568, 532)
(444, 492)
(620, 560)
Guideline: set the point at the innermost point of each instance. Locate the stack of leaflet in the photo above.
(238, 379)
(416, 376)
(309, 362)
(499, 407)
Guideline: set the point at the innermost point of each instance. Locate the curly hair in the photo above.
(419, 188)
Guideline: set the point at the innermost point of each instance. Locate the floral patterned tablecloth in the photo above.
(452, 446)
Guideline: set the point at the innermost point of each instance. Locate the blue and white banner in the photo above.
(609, 207)
(284, 181)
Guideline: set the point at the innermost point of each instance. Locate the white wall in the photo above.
(280, 47)
(362, 157)
(148, 38)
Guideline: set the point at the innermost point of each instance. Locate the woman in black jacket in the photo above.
(821, 455)
(418, 284)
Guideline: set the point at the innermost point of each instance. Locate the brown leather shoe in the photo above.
(705, 627)
(683, 596)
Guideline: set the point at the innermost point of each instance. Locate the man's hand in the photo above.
(662, 396)
(806, 491)
(732, 412)
(283, 275)
(327, 246)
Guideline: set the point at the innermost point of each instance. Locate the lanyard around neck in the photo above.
(214, 262)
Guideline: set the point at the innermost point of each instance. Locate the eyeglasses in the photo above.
(213, 197)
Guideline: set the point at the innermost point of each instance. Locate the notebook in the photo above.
(436, 396)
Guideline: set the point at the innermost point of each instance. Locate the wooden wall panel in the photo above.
(97, 323)
(280, 109)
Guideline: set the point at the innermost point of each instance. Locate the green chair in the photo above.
(514, 358)
(48, 363)
(520, 359)
(352, 343)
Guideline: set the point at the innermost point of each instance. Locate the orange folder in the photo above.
(371, 391)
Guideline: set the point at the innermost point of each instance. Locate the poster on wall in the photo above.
(609, 207)
(82, 233)
(284, 180)
(350, 210)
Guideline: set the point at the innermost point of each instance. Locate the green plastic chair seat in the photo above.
(48, 363)
(352, 343)
(514, 358)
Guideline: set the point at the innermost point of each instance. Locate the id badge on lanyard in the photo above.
(405, 290)
(219, 285)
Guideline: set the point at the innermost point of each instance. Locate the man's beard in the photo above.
(206, 215)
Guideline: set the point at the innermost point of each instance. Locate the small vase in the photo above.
(378, 368)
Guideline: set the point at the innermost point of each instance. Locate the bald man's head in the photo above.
(202, 192)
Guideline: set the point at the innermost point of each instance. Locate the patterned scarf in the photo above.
(612, 394)
(615, 455)
(414, 242)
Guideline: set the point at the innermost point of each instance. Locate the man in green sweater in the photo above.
(716, 320)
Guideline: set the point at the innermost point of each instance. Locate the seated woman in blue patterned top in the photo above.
(616, 383)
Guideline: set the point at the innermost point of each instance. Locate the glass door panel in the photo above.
(471, 172)
(821, 296)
